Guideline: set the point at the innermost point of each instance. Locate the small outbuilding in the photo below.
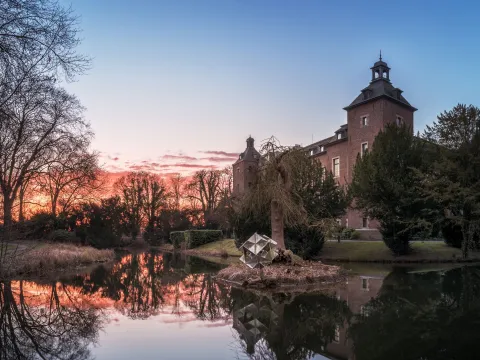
(258, 251)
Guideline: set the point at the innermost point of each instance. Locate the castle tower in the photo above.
(380, 103)
(245, 168)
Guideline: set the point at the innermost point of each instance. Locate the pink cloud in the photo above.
(221, 159)
(220, 153)
(178, 157)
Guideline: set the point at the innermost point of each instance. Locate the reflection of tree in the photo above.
(141, 284)
(208, 299)
(421, 316)
(286, 327)
(57, 328)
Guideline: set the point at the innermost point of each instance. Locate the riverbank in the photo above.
(378, 252)
(39, 259)
(222, 248)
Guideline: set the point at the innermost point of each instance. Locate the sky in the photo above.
(177, 85)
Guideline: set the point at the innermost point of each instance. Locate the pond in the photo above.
(164, 306)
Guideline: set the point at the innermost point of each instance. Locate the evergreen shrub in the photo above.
(196, 238)
(63, 236)
(305, 241)
(177, 238)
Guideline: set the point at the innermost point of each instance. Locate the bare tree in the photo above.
(40, 119)
(131, 189)
(206, 189)
(38, 40)
(154, 197)
(73, 174)
(176, 187)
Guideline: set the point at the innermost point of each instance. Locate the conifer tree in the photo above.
(385, 186)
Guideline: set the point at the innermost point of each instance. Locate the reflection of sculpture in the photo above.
(283, 326)
(249, 322)
(258, 251)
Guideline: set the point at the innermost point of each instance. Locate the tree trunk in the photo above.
(21, 216)
(7, 211)
(276, 213)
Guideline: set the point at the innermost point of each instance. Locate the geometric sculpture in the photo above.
(258, 251)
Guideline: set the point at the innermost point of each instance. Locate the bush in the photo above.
(246, 225)
(155, 237)
(305, 241)
(196, 238)
(40, 225)
(63, 236)
(350, 234)
(177, 238)
(452, 234)
(396, 237)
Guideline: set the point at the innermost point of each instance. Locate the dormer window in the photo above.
(311, 152)
(339, 136)
(364, 121)
(322, 148)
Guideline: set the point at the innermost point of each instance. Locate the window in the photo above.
(346, 222)
(339, 222)
(311, 152)
(336, 167)
(238, 170)
(364, 284)
(339, 136)
(399, 120)
(364, 148)
(322, 148)
(365, 222)
(337, 334)
(364, 121)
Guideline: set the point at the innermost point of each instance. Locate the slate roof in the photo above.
(250, 153)
(380, 87)
(328, 141)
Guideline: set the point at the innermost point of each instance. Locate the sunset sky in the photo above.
(180, 84)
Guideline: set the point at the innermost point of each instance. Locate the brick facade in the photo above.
(378, 104)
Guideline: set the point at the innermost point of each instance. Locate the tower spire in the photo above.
(380, 54)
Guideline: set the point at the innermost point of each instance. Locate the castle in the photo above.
(378, 104)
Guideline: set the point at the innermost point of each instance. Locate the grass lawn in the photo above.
(376, 251)
(217, 248)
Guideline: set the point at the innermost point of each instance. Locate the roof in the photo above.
(380, 88)
(250, 153)
(328, 141)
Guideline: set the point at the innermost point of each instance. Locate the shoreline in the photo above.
(44, 259)
(399, 261)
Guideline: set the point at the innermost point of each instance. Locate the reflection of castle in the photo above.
(265, 319)
(358, 291)
(378, 104)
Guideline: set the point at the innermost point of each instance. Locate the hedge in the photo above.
(194, 238)
(177, 238)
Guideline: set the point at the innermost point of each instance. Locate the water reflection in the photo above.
(432, 315)
(46, 322)
(396, 315)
